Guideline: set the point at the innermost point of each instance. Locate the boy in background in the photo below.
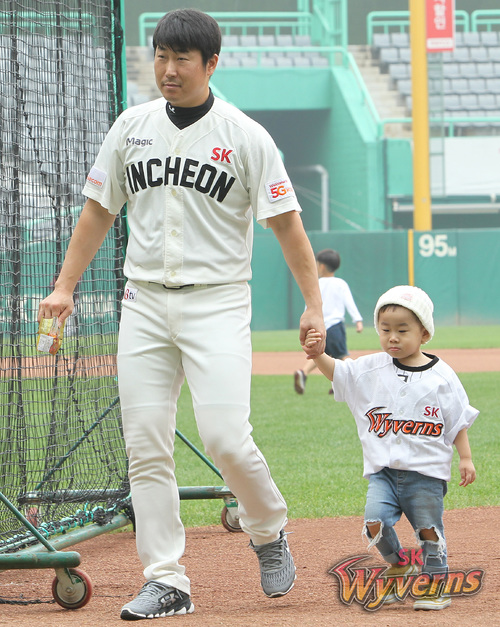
(337, 297)
(410, 409)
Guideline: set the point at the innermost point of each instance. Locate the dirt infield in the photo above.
(461, 360)
(224, 571)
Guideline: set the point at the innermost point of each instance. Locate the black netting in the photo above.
(61, 447)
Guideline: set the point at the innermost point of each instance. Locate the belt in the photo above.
(181, 287)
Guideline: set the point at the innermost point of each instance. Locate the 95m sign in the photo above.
(435, 246)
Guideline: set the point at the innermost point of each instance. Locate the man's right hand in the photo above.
(58, 304)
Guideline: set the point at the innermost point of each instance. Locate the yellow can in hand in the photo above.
(50, 335)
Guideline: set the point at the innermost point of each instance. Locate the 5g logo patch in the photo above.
(281, 188)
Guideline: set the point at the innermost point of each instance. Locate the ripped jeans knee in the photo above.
(434, 554)
(385, 540)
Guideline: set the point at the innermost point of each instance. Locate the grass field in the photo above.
(311, 443)
(487, 336)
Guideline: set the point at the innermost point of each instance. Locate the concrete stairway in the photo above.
(384, 95)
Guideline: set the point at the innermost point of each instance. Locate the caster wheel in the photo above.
(75, 595)
(229, 520)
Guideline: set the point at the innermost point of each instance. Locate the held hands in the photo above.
(467, 471)
(311, 321)
(313, 337)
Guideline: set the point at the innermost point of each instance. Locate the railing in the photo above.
(244, 23)
(486, 18)
(399, 21)
(449, 121)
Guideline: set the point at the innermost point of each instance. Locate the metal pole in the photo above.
(422, 217)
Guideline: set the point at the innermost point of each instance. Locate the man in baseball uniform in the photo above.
(410, 409)
(194, 172)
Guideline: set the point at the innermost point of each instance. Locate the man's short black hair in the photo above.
(188, 29)
(330, 258)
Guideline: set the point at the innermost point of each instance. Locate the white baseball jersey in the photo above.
(337, 297)
(215, 174)
(407, 418)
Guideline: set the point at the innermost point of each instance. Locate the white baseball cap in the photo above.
(411, 297)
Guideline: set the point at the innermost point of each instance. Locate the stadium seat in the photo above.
(405, 55)
(404, 87)
(467, 70)
(266, 41)
(494, 54)
(400, 40)
(244, 54)
(399, 71)
(487, 102)
(319, 62)
(267, 62)
(381, 40)
(283, 61)
(477, 85)
(302, 40)
(229, 41)
(388, 55)
(469, 102)
(488, 38)
(471, 38)
(226, 61)
(452, 102)
(487, 70)
(459, 86)
(248, 41)
(479, 54)
(300, 61)
(311, 54)
(451, 70)
(249, 61)
(284, 40)
(493, 85)
(460, 55)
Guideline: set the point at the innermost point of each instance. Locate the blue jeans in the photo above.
(394, 492)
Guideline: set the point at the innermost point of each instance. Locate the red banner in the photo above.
(440, 19)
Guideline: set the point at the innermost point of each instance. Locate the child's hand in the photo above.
(467, 471)
(312, 338)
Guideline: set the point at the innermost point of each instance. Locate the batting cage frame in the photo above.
(63, 467)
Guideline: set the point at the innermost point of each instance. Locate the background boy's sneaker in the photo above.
(157, 600)
(439, 602)
(397, 571)
(277, 570)
(299, 381)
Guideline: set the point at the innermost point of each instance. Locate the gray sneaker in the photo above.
(277, 570)
(157, 600)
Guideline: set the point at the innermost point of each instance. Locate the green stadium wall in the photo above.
(458, 269)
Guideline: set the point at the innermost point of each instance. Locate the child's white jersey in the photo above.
(337, 297)
(215, 175)
(407, 418)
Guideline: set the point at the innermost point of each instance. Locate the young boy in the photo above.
(337, 297)
(410, 408)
